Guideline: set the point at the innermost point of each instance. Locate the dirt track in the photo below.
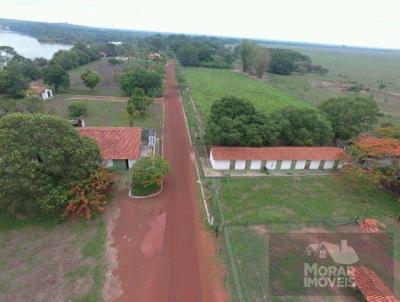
(181, 267)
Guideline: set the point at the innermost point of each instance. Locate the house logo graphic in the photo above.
(341, 254)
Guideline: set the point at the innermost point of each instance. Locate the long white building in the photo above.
(276, 158)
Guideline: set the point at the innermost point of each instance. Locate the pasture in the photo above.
(208, 85)
(255, 209)
(368, 67)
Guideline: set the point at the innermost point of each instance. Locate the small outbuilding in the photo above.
(119, 146)
(276, 158)
(40, 91)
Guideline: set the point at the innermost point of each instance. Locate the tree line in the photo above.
(236, 122)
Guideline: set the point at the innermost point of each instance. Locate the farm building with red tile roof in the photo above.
(119, 146)
(275, 158)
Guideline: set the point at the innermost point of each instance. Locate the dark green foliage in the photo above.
(13, 83)
(57, 76)
(149, 81)
(90, 78)
(188, 55)
(40, 158)
(8, 106)
(303, 127)
(138, 103)
(351, 115)
(77, 109)
(235, 122)
(285, 61)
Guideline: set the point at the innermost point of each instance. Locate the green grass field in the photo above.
(303, 199)
(108, 113)
(208, 85)
(255, 208)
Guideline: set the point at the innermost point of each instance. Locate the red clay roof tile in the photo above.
(276, 153)
(115, 142)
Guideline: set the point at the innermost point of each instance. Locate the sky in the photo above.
(369, 23)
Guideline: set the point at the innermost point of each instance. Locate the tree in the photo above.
(235, 122)
(304, 127)
(41, 156)
(13, 83)
(262, 61)
(90, 78)
(350, 115)
(148, 174)
(281, 63)
(149, 81)
(77, 109)
(188, 55)
(57, 76)
(138, 103)
(247, 53)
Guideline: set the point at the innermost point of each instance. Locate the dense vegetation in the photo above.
(41, 157)
(64, 33)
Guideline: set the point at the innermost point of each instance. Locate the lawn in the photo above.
(303, 199)
(108, 113)
(44, 261)
(208, 85)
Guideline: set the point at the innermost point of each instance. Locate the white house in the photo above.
(119, 146)
(40, 91)
(276, 158)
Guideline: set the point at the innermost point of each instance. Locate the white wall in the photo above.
(340, 165)
(219, 164)
(46, 93)
(314, 165)
(240, 165)
(255, 165)
(300, 164)
(329, 164)
(271, 164)
(131, 162)
(108, 163)
(286, 164)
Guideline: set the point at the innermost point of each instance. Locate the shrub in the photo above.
(77, 109)
(148, 174)
(89, 196)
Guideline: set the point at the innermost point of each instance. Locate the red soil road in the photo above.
(179, 267)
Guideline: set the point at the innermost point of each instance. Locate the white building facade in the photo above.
(276, 158)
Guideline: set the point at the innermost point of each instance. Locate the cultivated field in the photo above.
(208, 85)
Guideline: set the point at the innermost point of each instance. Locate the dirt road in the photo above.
(164, 253)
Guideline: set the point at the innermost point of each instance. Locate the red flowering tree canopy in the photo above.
(378, 147)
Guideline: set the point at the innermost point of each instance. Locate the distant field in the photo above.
(368, 67)
(108, 113)
(208, 85)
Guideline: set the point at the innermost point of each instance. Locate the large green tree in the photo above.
(40, 158)
(304, 127)
(90, 78)
(188, 55)
(350, 115)
(138, 103)
(57, 76)
(235, 122)
(149, 81)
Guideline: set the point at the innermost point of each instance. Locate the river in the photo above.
(28, 46)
